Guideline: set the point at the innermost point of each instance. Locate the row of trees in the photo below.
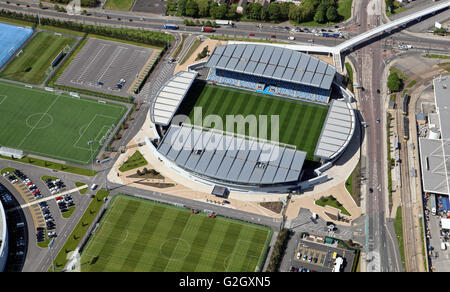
(141, 36)
(321, 11)
(84, 3)
(278, 250)
(208, 23)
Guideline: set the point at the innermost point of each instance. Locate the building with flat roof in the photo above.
(435, 150)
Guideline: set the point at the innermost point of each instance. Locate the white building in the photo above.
(10, 152)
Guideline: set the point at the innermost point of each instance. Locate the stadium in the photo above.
(305, 120)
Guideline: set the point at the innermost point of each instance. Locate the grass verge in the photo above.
(80, 184)
(332, 202)
(191, 50)
(68, 213)
(81, 228)
(134, 161)
(434, 56)
(398, 226)
(53, 165)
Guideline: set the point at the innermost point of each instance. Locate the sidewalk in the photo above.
(182, 186)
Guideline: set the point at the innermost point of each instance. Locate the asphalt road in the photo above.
(369, 76)
(370, 105)
(155, 22)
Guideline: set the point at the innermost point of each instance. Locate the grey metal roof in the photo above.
(434, 154)
(337, 131)
(169, 97)
(229, 158)
(273, 62)
(434, 171)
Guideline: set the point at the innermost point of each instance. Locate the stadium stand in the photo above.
(278, 71)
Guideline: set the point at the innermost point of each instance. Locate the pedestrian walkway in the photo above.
(30, 204)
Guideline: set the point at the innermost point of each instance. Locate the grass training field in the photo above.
(300, 123)
(119, 4)
(32, 64)
(58, 126)
(141, 235)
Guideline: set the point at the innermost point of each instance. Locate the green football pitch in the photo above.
(142, 235)
(37, 56)
(300, 123)
(57, 126)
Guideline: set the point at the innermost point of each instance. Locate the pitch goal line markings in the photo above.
(89, 124)
(240, 243)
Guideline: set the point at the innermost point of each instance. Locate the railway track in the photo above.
(409, 236)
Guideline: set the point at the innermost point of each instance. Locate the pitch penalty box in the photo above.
(55, 125)
(107, 67)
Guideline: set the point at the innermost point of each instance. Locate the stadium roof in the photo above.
(228, 158)
(273, 62)
(434, 154)
(337, 131)
(169, 97)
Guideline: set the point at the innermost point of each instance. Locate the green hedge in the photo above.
(278, 250)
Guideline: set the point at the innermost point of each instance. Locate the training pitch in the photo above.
(34, 62)
(300, 123)
(57, 126)
(142, 235)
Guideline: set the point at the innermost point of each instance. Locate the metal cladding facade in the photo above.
(228, 158)
(274, 63)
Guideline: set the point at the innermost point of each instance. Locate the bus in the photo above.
(171, 26)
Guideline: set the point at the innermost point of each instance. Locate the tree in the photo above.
(203, 8)
(320, 16)
(255, 12)
(218, 12)
(274, 11)
(332, 14)
(191, 8)
(307, 10)
(394, 82)
(181, 8)
(295, 14)
(231, 13)
(285, 7)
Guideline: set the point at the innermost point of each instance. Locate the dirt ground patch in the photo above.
(273, 206)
